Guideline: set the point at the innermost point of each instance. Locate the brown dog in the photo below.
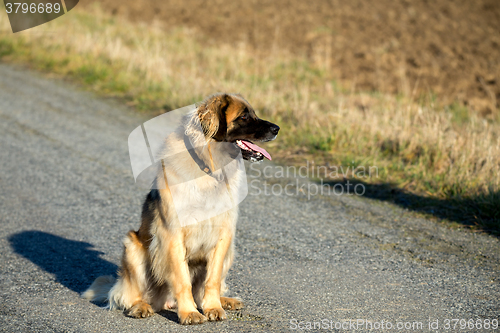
(168, 262)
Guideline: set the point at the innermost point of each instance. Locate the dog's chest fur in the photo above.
(202, 239)
(197, 205)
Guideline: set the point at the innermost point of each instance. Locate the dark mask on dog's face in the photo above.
(230, 118)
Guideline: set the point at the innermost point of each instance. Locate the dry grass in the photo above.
(445, 154)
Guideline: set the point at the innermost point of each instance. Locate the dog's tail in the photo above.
(99, 289)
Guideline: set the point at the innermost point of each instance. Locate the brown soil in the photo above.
(421, 47)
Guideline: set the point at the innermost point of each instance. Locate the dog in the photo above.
(170, 263)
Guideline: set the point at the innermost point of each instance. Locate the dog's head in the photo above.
(230, 118)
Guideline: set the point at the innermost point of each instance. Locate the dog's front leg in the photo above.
(211, 300)
(180, 281)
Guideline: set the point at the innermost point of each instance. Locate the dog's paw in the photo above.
(191, 318)
(215, 314)
(141, 310)
(231, 303)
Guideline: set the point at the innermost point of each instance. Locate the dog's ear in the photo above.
(212, 115)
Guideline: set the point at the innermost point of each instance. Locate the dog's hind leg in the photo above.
(131, 288)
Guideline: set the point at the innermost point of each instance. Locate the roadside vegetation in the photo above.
(441, 160)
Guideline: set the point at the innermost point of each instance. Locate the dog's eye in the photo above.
(244, 117)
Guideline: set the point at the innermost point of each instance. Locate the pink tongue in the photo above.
(257, 148)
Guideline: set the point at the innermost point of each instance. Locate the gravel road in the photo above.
(67, 198)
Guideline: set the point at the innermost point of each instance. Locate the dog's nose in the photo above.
(275, 129)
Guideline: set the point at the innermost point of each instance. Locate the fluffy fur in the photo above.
(167, 264)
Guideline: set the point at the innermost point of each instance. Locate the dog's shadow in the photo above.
(170, 315)
(75, 264)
